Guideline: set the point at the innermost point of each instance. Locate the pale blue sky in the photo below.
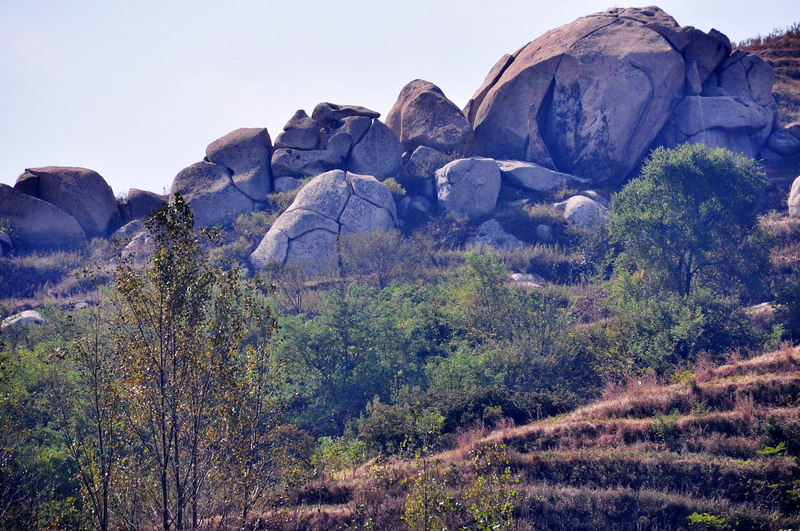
(137, 89)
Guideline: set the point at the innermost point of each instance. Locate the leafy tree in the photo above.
(690, 219)
(198, 381)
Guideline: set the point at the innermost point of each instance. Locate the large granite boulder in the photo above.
(468, 187)
(331, 204)
(79, 192)
(423, 116)
(141, 203)
(300, 132)
(246, 153)
(378, 153)
(37, 224)
(587, 99)
(210, 191)
(593, 97)
(534, 177)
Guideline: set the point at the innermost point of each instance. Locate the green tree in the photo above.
(690, 219)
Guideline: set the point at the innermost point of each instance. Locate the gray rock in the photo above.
(534, 177)
(423, 116)
(545, 233)
(141, 246)
(6, 245)
(747, 76)
(491, 234)
(210, 191)
(300, 132)
(595, 196)
(586, 99)
(426, 160)
(783, 143)
(699, 113)
(286, 184)
(378, 153)
(81, 193)
(331, 204)
(141, 203)
(326, 112)
(794, 199)
(355, 126)
(583, 212)
(526, 280)
(299, 163)
(246, 153)
(28, 317)
(129, 229)
(703, 53)
(38, 224)
(468, 187)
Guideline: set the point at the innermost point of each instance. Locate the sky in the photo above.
(136, 90)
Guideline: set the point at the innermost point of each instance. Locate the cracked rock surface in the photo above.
(334, 203)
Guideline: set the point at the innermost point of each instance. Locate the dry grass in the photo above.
(609, 465)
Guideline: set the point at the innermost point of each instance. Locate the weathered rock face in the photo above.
(468, 187)
(345, 137)
(794, 199)
(587, 98)
(210, 191)
(423, 116)
(591, 97)
(79, 192)
(583, 211)
(38, 224)
(333, 203)
(534, 177)
(246, 153)
(783, 143)
(141, 203)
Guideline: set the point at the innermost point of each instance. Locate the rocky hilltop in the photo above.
(579, 107)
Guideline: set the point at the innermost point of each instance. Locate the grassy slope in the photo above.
(605, 465)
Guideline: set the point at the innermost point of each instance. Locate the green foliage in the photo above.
(690, 220)
(707, 521)
(397, 190)
(665, 427)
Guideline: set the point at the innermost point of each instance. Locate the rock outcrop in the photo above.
(468, 187)
(81, 193)
(590, 98)
(345, 137)
(333, 203)
(37, 224)
(423, 116)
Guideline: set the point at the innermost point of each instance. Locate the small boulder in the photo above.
(129, 230)
(141, 203)
(246, 153)
(300, 132)
(28, 317)
(783, 143)
(423, 116)
(81, 193)
(794, 199)
(469, 187)
(210, 191)
(38, 224)
(326, 112)
(583, 212)
(491, 234)
(534, 177)
(591, 194)
(303, 163)
(545, 233)
(286, 184)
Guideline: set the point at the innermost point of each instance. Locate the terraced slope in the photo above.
(719, 449)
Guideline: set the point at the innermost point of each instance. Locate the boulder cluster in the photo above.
(577, 108)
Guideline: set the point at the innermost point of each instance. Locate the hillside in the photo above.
(719, 448)
(781, 49)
